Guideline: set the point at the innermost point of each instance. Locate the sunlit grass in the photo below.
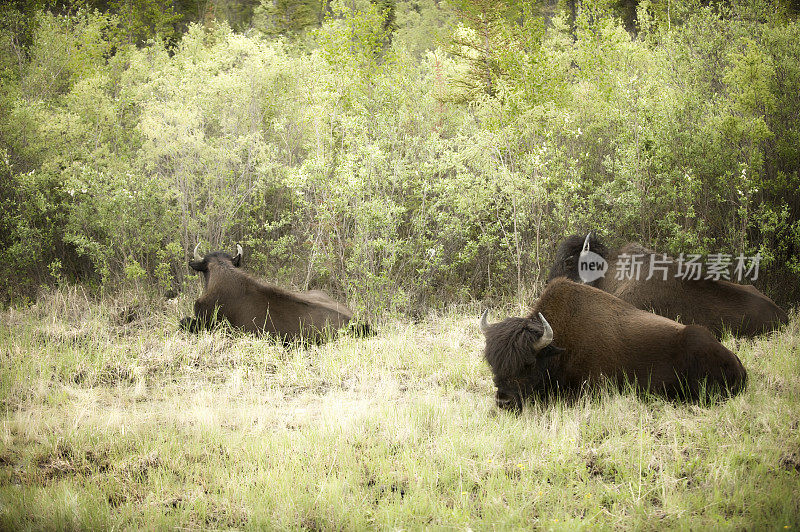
(113, 417)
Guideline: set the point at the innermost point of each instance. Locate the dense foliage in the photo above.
(401, 155)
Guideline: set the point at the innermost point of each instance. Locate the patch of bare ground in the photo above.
(791, 461)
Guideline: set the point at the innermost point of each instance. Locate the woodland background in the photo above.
(404, 155)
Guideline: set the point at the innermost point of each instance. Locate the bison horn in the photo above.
(547, 335)
(196, 254)
(238, 250)
(483, 325)
(586, 242)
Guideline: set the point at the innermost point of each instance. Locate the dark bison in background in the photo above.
(718, 305)
(593, 337)
(263, 308)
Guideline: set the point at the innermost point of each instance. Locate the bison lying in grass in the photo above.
(259, 307)
(596, 337)
(718, 305)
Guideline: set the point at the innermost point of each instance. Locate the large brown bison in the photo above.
(718, 305)
(578, 336)
(263, 308)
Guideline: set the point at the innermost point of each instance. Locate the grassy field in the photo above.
(111, 417)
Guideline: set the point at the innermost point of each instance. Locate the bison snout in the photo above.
(507, 401)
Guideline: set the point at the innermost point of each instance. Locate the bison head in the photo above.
(202, 264)
(521, 355)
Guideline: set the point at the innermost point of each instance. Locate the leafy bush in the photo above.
(391, 176)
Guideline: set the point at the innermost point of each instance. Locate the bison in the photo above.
(596, 337)
(259, 307)
(718, 305)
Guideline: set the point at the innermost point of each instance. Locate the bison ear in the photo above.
(237, 260)
(549, 351)
(198, 265)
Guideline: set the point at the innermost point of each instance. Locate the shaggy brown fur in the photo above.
(718, 305)
(598, 337)
(259, 307)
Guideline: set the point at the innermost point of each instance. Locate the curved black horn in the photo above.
(547, 335)
(196, 254)
(483, 325)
